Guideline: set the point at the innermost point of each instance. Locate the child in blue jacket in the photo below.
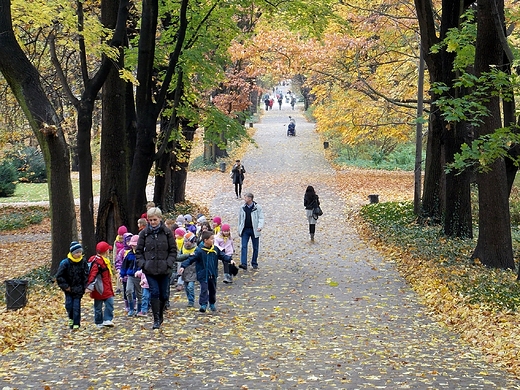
(206, 259)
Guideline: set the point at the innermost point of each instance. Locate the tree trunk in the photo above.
(457, 217)
(114, 146)
(24, 81)
(494, 246)
(86, 197)
(180, 175)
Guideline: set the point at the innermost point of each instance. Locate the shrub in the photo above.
(8, 178)
(30, 164)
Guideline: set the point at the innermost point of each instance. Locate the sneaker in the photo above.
(227, 278)
(255, 267)
(131, 313)
(108, 323)
(71, 322)
(100, 326)
(202, 308)
(75, 327)
(191, 304)
(212, 307)
(244, 267)
(141, 314)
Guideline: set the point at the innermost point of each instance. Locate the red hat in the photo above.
(217, 220)
(102, 247)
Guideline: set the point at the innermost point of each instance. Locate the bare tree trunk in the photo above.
(494, 246)
(114, 146)
(24, 81)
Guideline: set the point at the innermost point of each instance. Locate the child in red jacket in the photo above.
(101, 289)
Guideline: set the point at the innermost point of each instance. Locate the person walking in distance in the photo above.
(250, 224)
(310, 201)
(237, 174)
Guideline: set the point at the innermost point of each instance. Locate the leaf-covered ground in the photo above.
(330, 314)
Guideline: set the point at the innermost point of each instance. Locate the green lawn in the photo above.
(37, 192)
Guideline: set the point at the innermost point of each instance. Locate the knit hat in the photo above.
(180, 232)
(201, 219)
(188, 218)
(102, 247)
(133, 240)
(225, 227)
(217, 220)
(180, 220)
(190, 237)
(126, 238)
(75, 246)
(121, 230)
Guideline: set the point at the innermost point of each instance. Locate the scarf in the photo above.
(73, 259)
(107, 263)
(209, 250)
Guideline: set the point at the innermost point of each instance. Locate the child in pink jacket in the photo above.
(224, 242)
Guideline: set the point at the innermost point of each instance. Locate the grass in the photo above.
(393, 223)
(38, 192)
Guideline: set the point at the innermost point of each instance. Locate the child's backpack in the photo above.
(98, 282)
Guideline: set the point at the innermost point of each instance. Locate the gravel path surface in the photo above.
(322, 315)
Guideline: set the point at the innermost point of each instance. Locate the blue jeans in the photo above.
(73, 307)
(145, 303)
(248, 233)
(159, 286)
(99, 314)
(189, 287)
(208, 291)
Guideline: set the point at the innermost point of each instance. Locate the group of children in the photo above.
(200, 245)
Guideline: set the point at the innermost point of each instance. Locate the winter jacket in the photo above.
(100, 265)
(129, 267)
(72, 274)
(225, 244)
(190, 273)
(156, 250)
(121, 252)
(310, 202)
(206, 260)
(257, 217)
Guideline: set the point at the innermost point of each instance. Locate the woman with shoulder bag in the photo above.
(311, 201)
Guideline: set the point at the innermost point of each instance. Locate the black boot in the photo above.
(156, 309)
(162, 306)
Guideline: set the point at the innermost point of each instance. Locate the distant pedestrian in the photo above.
(72, 279)
(237, 172)
(250, 224)
(293, 101)
(310, 201)
(100, 265)
(280, 101)
(156, 252)
(271, 102)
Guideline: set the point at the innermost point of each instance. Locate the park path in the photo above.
(322, 315)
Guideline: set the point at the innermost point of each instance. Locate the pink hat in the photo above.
(217, 220)
(180, 232)
(121, 230)
(133, 240)
(225, 227)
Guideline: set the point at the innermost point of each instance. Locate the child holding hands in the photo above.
(224, 242)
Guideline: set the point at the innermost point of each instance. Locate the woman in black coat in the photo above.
(156, 253)
(237, 174)
(310, 201)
